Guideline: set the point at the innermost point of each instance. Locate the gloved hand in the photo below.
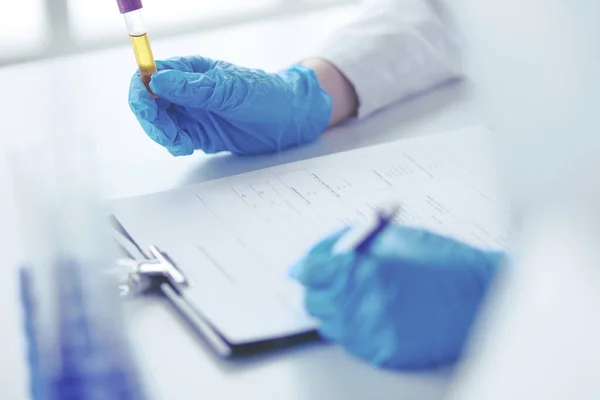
(216, 106)
(407, 303)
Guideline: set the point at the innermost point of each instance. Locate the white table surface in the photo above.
(94, 87)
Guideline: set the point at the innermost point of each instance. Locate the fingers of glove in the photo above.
(326, 291)
(141, 103)
(189, 89)
(377, 346)
(183, 146)
(325, 245)
(186, 140)
(152, 115)
(369, 326)
(323, 305)
(322, 271)
(186, 64)
(413, 245)
(318, 253)
(164, 130)
(334, 303)
(360, 306)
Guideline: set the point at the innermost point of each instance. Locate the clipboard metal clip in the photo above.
(151, 272)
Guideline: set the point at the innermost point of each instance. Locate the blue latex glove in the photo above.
(407, 303)
(215, 106)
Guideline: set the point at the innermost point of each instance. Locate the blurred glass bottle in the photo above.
(78, 342)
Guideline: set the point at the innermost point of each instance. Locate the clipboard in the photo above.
(233, 239)
(155, 272)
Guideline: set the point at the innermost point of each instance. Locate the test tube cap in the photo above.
(126, 6)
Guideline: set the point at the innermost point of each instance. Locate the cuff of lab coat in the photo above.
(355, 70)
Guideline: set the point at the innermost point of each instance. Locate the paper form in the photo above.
(235, 238)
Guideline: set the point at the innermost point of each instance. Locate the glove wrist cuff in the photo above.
(312, 98)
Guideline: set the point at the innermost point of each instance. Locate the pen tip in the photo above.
(388, 210)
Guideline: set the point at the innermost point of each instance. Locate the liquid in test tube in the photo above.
(132, 11)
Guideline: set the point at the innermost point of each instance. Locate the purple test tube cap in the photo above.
(126, 6)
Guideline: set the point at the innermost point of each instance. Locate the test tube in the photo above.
(132, 11)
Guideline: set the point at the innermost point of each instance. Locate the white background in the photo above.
(27, 32)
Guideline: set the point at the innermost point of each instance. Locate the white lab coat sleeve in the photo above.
(395, 49)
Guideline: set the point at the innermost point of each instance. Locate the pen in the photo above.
(359, 238)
